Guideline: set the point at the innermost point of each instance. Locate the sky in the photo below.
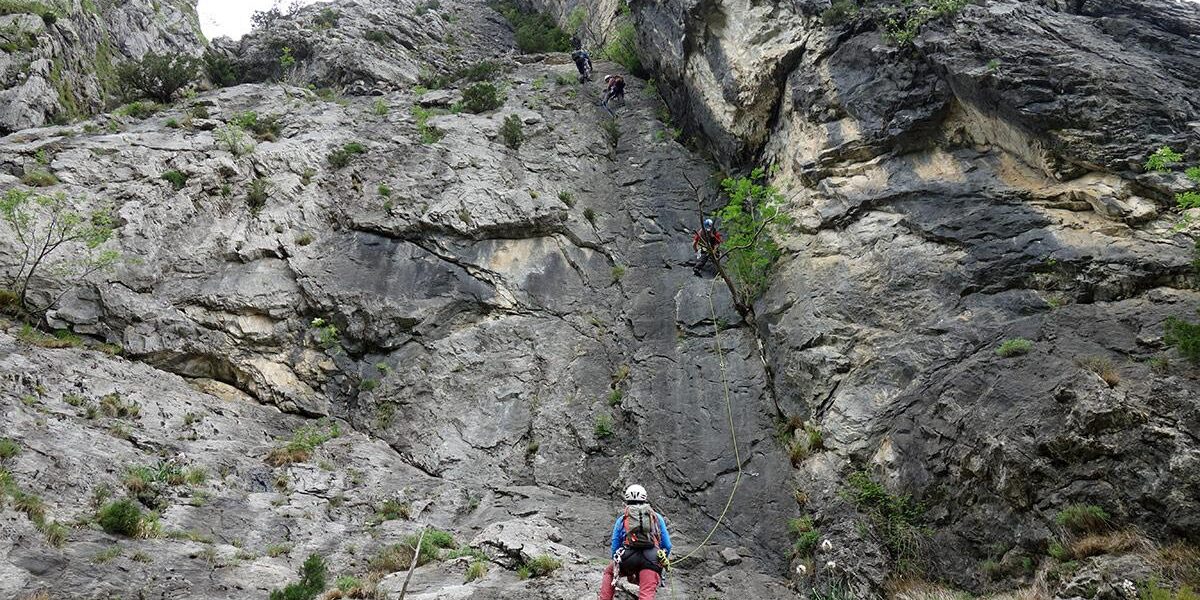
(232, 17)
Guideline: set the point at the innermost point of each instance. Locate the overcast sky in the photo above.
(232, 17)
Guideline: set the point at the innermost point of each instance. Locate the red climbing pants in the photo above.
(647, 581)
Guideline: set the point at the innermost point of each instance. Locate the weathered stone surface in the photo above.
(59, 68)
(473, 315)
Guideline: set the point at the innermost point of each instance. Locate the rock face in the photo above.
(58, 60)
(503, 338)
(982, 183)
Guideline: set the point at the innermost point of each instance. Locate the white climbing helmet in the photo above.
(607, 77)
(635, 493)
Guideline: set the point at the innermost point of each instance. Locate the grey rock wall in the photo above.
(61, 67)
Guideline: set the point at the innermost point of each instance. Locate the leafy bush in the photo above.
(122, 517)
(1163, 159)
(622, 48)
(138, 109)
(327, 18)
(839, 11)
(481, 97)
(1083, 518)
(157, 76)
(534, 32)
(266, 128)
(341, 157)
(221, 70)
(429, 134)
(53, 218)
(512, 132)
(233, 138)
(178, 180)
(1014, 347)
(1185, 337)
(1187, 200)
(750, 219)
(256, 196)
(378, 36)
(480, 71)
(312, 580)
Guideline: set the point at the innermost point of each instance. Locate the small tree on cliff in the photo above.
(44, 226)
(750, 219)
(157, 76)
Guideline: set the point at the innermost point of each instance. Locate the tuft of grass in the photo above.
(590, 215)
(341, 157)
(8, 448)
(256, 196)
(1083, 519)
(122, 517)
(476, 571)
(392, 509)
(566, 198)
(429, 134)
(1184, 336)
(304, 441)
(1102, 367)
(278, 549)
(195, 475)
(39, 178)
(178, 180)
(806, 535)
(618, 272)
(539, 566)
(603, 426)
(113, 405)
(897, 520)
(1014, 347)
(1114, 542)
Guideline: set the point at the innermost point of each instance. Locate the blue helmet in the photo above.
(708, 224)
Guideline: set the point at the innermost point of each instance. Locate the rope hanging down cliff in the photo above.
(732, 430)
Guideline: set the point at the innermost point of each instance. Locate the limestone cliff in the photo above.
(360, 309)
(58, 59)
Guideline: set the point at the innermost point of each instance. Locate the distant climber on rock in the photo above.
(640, 547)
(704, 244)
(583, 62)
(614, 88)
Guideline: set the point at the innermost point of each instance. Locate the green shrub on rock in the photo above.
(311, 584)
(1185, 337)
(481, 97)
(122, 517)
(1014, 347)
(341, 157)
(512, 132)
(157, 76)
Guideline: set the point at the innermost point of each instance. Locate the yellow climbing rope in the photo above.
(732, 432)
